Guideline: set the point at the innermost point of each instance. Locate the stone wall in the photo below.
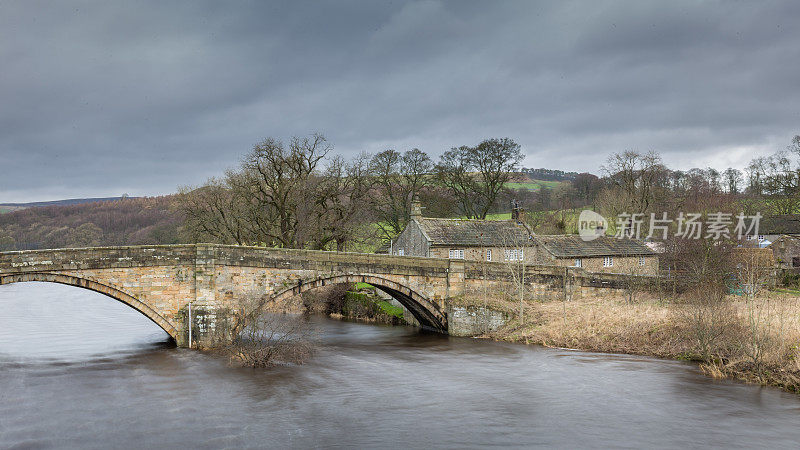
(473, 321)
(621, 264)
(479, 253)
(786, 250)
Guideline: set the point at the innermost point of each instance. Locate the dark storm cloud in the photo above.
(141, 97)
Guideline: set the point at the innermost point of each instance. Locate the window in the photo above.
(489, 254)
(641, 260)
(578, 262)
(456, 254)
(608, 261)
(401, 252)
(514, 255)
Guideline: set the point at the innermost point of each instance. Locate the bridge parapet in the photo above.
(322, 261)
(96, 258)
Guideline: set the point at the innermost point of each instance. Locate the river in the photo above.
(80, 370)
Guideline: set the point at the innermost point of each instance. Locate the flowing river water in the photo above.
(78, 369)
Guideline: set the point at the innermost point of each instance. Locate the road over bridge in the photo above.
(161, 281)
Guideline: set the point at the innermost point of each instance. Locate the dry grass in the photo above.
(755, 340)
(605, 325)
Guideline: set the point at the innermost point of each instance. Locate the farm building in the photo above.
(603, 254)
(476, 240)
(512, 241)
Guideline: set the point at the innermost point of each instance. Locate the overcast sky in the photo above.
(102, 98)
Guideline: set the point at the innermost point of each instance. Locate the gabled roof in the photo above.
(473, 233)
(782, 224)
(572, 246)
(784, 238)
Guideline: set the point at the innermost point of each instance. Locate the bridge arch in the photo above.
(426, 312)
(95, 286)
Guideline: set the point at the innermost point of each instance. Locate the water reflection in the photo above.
(112, 382)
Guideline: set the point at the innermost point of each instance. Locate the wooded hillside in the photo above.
(130, 221)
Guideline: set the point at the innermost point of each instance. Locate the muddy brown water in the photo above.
(80, 370)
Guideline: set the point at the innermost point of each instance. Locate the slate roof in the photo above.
(572, 246)
(785, 238)
(473, 233)
(783, 224)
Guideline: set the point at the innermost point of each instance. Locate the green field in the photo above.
(533, 185)
(8, 209)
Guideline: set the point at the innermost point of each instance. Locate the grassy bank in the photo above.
(754, 340)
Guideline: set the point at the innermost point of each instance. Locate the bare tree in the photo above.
(283, 196)
(514, 259)
(213, 213)
(282, 177)
(454, 171)
(781, 183)
(777, 178)
(733, 180)
(476, 175)
(636, 184)
(637, 178)
(587, 186)
(253, 337)
(343, 193)
(713, 177)
(398, 177)
(700, 269)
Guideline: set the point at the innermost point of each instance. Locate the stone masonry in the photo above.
(161, 281)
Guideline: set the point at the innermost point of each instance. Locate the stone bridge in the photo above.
(161, 281)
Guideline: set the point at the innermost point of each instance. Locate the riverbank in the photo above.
(754, 340)
(360, 302)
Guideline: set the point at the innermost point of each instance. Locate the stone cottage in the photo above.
(512, 241)
(786, 251)
(603, 254)
(476, 240)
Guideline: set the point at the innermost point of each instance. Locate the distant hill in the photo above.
(91, 222)
(8, 207)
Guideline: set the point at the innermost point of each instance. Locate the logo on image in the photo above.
(591, 225)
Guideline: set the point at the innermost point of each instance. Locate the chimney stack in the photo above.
(515, 211)
(416, 209)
